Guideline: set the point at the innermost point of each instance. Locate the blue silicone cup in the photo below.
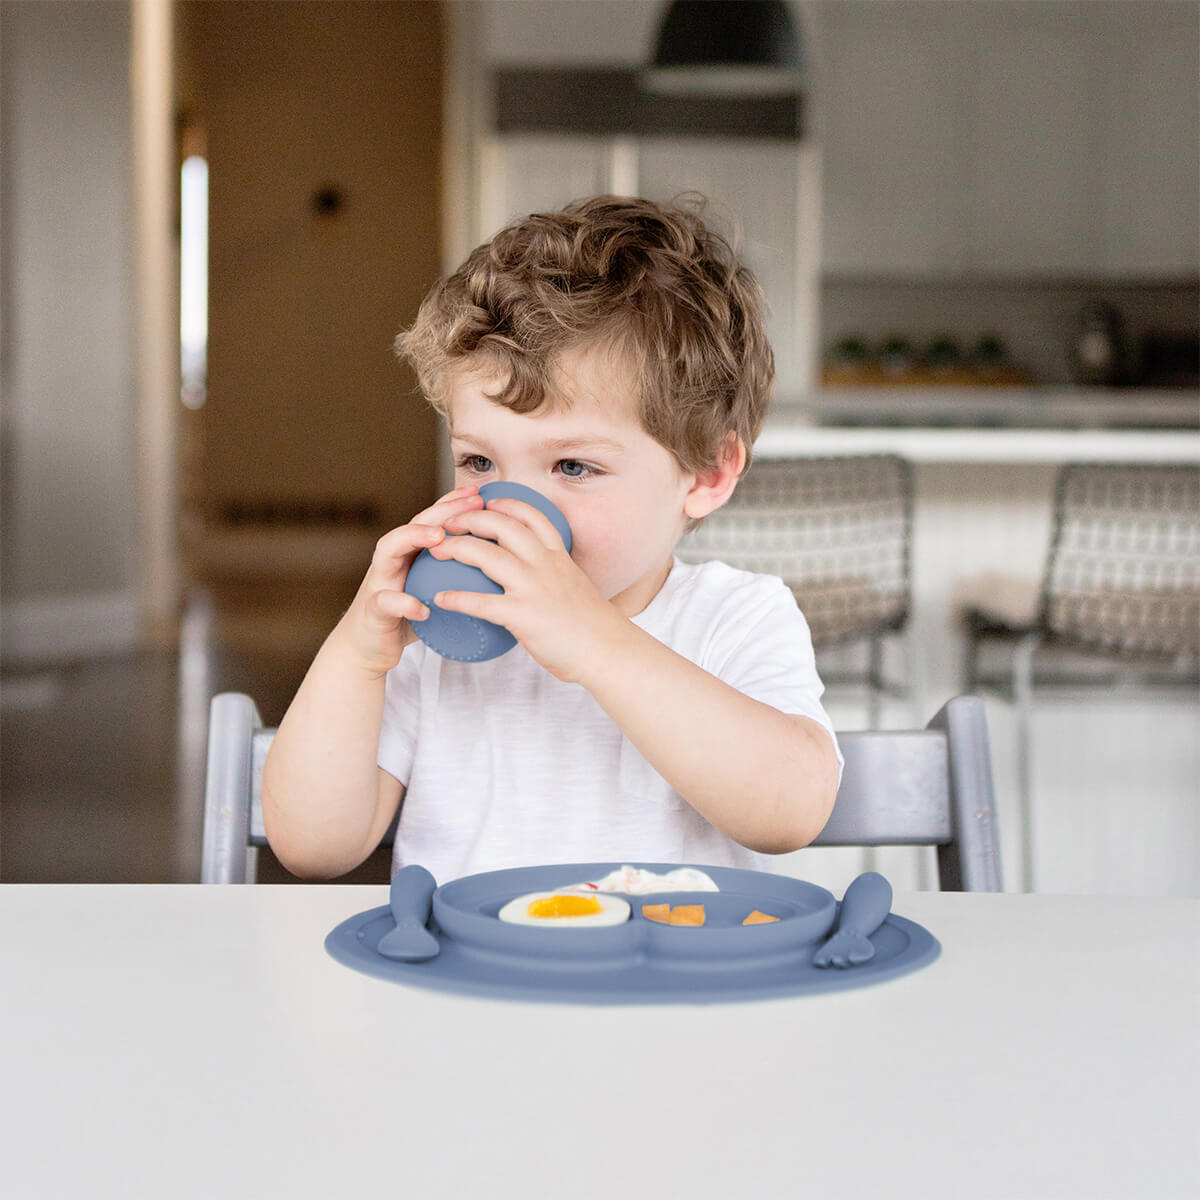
(455, 635)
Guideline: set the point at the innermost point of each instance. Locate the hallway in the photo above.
(102, 762)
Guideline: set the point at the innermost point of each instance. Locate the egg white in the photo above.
(613, 911)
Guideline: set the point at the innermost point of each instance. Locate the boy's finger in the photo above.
(398, 544)
(462, 499)
(487, 606)
(514, 534)
(422, 531)
(393, 606)
(532, 518)
(495, 561)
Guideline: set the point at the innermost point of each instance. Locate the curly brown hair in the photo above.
(649, 280)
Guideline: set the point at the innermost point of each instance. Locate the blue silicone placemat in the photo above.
(639, 973)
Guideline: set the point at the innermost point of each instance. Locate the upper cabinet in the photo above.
(1032, 139)
(894, 139)
(761, 194)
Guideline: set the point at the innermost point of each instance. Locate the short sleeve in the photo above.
(759, 642)
(401, 714)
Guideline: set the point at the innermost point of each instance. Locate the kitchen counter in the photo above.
(1017, 425)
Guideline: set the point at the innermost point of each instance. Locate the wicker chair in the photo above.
(838, 532)
(1119, 608)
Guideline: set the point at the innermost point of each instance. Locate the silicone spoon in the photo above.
(411, 895)
(865, 907)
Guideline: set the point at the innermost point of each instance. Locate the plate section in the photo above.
(639, 962)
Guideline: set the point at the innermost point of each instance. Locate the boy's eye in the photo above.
(477, 464)
(572, 468)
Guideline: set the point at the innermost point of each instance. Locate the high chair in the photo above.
(923, 787)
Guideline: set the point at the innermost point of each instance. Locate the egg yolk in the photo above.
(564, 906)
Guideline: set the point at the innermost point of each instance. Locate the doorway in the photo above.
(321, 127)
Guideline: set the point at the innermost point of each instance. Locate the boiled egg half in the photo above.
(564, 910)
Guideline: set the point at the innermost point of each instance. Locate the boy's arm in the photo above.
(765, 778)
(326, 802)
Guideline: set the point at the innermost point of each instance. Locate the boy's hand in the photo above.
(549, 605)
(376, 628)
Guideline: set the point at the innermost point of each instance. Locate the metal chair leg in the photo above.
(1023, 706)
(971, 663)
(910, 654)
(875, 684)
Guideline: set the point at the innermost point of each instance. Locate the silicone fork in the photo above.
(410, 897)
(865, 907)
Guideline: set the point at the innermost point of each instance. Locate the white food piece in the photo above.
(613, 911)
(636, 881)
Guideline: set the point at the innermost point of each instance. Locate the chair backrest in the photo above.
(930, 786)
(233, 821)
(1123, 573)
(837, 531)
(924, 787)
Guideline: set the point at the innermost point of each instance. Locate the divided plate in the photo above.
(639, 961)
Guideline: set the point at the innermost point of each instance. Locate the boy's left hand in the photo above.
(549, 605)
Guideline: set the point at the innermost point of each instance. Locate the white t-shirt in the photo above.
(506, 766)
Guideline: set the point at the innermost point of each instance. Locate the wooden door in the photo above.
(322, 129)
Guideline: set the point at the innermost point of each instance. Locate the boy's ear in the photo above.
(710, 489)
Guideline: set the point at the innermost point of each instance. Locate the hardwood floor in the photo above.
(102, 762)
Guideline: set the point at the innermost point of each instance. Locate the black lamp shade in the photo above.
(735, 33)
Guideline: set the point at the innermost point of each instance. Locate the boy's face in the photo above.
(621, 491)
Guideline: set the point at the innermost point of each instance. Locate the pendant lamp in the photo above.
(726, 47)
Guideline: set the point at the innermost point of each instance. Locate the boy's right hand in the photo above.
(375, 628)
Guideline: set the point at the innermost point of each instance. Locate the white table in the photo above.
(198, 1042)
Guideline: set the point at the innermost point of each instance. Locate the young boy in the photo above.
(611, 356)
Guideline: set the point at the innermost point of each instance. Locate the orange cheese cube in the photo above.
(758, 918)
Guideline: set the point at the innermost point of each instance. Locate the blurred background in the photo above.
(977, 223)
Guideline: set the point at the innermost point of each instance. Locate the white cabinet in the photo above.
(893, 128)
(1055, 139)
(763, 195)
(1151, 204)
(526, 173)
(1039, 124)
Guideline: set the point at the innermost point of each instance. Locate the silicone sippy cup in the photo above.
(456, 635)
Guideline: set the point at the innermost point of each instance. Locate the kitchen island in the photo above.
(988, 425)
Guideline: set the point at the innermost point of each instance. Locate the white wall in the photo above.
(68, 532)
(555, 32)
